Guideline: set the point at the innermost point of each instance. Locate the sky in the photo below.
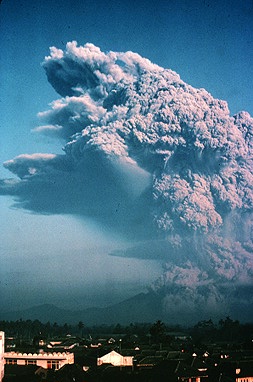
(48, 252)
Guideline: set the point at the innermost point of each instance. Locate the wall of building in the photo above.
(115, 359)
(45, 360)
(1, 356)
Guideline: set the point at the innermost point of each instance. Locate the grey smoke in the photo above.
(153, 158)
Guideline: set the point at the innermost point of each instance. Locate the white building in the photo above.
(244, 374)
(46, 360)
(115, 359)
(1, 356)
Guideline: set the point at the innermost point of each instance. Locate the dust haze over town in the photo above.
(134, 177)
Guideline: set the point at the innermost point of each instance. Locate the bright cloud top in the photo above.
(149, 156)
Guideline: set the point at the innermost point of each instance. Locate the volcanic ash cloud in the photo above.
(153, 158)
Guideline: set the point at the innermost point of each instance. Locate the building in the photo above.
(115, 359)
(46, 360)
(244, 372)
(1, 356)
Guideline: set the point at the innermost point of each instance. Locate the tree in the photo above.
(229, 328)
(80, 327)
(157, 331)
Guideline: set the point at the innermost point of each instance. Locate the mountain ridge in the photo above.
(139, 308)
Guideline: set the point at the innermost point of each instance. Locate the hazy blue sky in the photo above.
(208, 43)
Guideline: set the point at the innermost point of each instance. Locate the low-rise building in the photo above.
(1, 356)
(115, 359)
(46, 360)
(244, 372)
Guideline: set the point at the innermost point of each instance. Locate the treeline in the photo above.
(225, 330)
(29, 329)
(204, 331)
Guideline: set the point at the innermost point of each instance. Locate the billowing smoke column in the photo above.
(152, 157)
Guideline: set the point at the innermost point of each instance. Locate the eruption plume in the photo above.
(155, 159)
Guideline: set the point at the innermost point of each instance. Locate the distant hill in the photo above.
(144, 307)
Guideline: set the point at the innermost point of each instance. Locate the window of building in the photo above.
(53, 365)
(11, 362)
(30, 362)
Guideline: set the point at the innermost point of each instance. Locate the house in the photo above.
(148, 362)
(178, 371)
(115, 359)
(46, 360)
(64, 344)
